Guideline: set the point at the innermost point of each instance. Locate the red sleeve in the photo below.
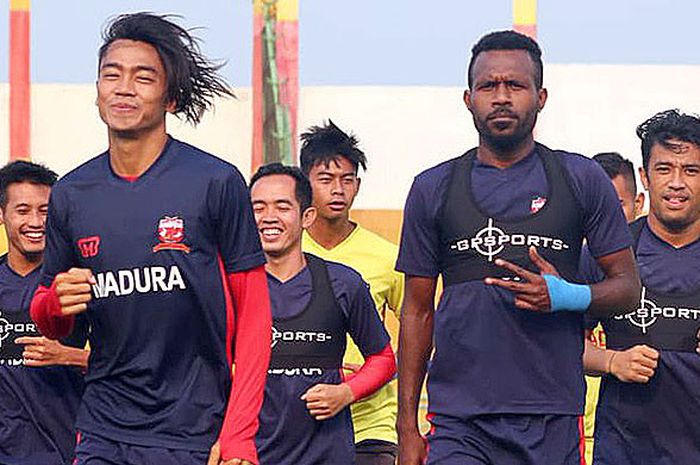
(377, 370)
(45, 310)
(252, 325)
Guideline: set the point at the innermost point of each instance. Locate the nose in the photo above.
(501, 95)
(36, 219)
(125, 86)
(677, 180)
(337, 186)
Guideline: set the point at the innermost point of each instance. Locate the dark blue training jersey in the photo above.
(37, 405)
(656, 422)
(159, 248)
(288, 434)
(491, 357)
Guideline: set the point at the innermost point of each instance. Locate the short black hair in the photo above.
(508, 40)
(24, 171)
(615, 165)
(192, 79)
(325, 143)
(667, 125)
(302, 190)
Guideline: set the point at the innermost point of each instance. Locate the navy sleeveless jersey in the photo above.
(37, 404)
(656, 422)
(159, 248)
(288, 434)
(491, 357)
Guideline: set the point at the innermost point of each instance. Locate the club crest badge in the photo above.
(171, 234)
(537, 204)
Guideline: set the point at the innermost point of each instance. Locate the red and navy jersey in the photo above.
(490, 357)
(288, 434)
(655, 422)
(160, 248)
(37, 405)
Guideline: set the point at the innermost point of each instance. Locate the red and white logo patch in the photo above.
(89, 246)
(537, 204)
(171, 234)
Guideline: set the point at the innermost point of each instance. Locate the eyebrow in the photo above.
(112, 64)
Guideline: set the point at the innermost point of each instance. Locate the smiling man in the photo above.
(315, 305)
(650, 395)
(40, 379)
(504, 225)
(154, 240)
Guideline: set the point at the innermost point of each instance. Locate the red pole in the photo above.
(20, 121)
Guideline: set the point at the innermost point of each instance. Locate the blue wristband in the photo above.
(565, 296)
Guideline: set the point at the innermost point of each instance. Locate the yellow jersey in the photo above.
(373, 257)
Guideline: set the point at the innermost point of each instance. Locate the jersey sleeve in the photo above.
(59, 254)
(395, 297)
(239, 242)
(364, 326)
(605, 227)
(418, 251)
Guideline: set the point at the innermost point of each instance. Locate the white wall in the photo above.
(403, 130)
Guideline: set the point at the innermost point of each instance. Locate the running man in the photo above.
(650, 397)
(332, 159)
(503, 224)
(315, 305)
(155, 241)
(40, 379)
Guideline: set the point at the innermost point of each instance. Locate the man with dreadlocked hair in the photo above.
(154, 240)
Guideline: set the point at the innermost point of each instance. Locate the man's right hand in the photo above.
(413, 449)
(634, 365)
(74, 290)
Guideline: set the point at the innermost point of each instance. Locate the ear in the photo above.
(359, 183)
(643, 177)
(308, 217)
(541, 98)
(171, 106)
(639, 204)
(466, 97)
(2, 216)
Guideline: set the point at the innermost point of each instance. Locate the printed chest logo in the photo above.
(491, 240)
(89, 246)
(171, 234)
(11, 354)
(305, 337)
(649, 313)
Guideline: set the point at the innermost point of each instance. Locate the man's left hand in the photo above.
(41, 352)
(324, 401)
(215, 457)
(531, 291)
(697, 349)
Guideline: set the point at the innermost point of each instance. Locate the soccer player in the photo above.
(40, 379)
(648, 409)
(331, 159)
(503, 224)
(315, 304)
(155, 241)
(621, 173)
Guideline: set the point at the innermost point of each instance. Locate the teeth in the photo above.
(34, 235)
(271, 232)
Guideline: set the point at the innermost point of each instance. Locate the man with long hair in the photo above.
(154, 240)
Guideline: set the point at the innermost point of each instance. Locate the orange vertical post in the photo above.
(20, 122)
(525, 17)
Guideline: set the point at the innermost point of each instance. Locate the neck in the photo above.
(23, 264)
(504, 157)
(677, 238)
(132, 156)
(329, 233)
(284, 267)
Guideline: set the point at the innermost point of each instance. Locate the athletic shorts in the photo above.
(506, 440)
(94, 450)
(375, 452)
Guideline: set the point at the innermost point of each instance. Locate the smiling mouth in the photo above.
(270, 233)
(675, 202)
(34, 236)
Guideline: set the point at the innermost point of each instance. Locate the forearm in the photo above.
(619, 292)
(377, 370)
(45, 310)
(415, 347)
(252, 356)
(596, 361)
